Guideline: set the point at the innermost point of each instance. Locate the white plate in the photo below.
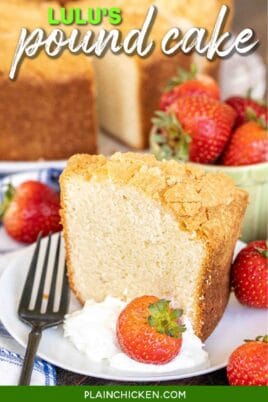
(15, 167)
(238, 323)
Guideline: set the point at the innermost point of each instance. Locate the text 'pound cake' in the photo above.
(135, 226)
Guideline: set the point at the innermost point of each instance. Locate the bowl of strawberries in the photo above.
(194, 125)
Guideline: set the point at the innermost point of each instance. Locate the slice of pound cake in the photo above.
(135, 226)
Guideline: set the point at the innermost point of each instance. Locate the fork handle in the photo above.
(27, 368)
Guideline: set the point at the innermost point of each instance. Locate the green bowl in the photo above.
(254, 179)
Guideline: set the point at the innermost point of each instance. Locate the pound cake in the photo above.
(136, 85)
(134, 226)
(49, 111)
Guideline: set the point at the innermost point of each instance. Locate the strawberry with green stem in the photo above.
(149, 330)
(248, 364)
(194, 128)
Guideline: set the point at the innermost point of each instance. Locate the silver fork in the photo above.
(34, 317)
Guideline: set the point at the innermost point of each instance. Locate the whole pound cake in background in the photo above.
(130, 92)
(48, 112)
(135, 226)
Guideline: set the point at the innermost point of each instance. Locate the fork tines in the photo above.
(50, 316)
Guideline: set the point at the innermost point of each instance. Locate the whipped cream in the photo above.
(92, 330)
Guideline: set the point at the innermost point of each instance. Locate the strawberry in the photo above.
(149, 330)
(194, 128)
(248, 364)
(248, 145)
(250, 275)
(189, 84)
(31, 208)
(243, 105)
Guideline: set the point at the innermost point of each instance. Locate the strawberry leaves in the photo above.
(149, 330)
(262, 252)
(181, 77)
(165, 319)
(251, 115)
(260, 338)
(8, 196)
(168, 139)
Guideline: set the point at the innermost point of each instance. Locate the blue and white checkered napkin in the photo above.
(11, 353)
(11, 359)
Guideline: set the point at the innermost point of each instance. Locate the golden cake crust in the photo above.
(48, 111)
(207, 205)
